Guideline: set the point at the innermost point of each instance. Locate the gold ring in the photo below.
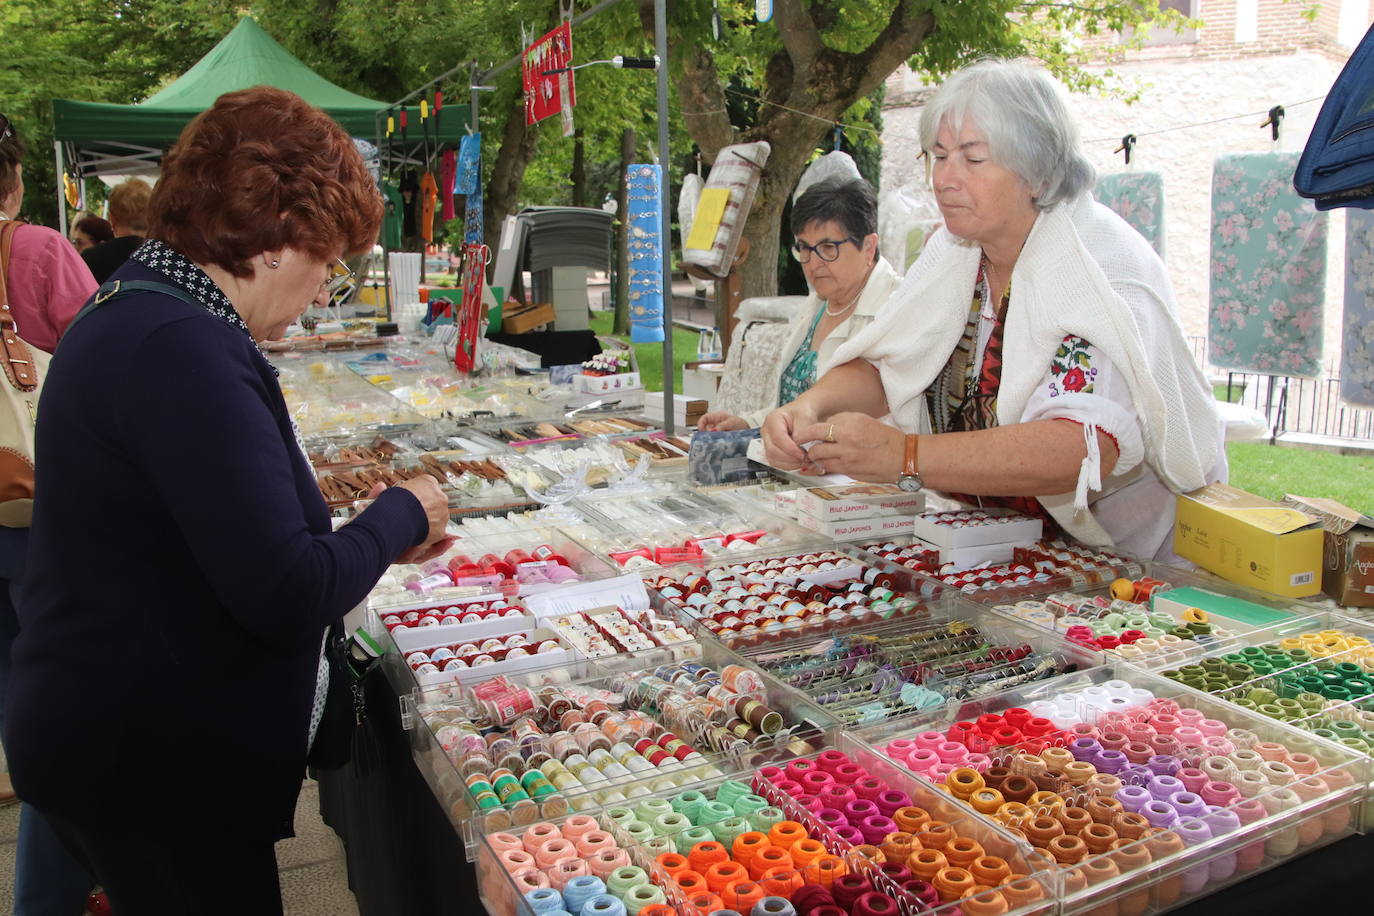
(830, 433)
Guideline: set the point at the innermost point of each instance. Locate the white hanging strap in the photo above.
(1090, 472)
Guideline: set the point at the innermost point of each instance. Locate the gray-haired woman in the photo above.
(835, 232)
(1032, 357)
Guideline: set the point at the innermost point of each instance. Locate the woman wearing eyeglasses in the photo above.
(1032, 357)
(835, 227)
(167, 681)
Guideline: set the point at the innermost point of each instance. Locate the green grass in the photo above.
(650, 355)
(1274, 470)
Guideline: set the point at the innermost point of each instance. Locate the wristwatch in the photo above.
(910, 479)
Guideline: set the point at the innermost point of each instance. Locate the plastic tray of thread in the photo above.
(930, 585)
(1298, 826)
(1004, 602)
(897, 579)
(391, 594)
(803, 721)
(503, 890)
(672, 517)
(994, 627)
(384, 601)
(1323, 724)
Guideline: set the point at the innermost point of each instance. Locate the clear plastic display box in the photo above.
(780, 595)
(1247, 793)
(649, 721)
(1315, 673)
(885, 670)
(1035, 569)
(680, 525)
(1179, 613)
(750, 822)
(538, 584)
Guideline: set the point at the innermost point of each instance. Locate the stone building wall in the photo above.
(1197, 101)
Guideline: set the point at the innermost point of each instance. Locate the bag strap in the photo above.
(15, 356)
(114, 289)
(7, 229)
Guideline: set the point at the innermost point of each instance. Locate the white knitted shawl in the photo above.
(1082, 271)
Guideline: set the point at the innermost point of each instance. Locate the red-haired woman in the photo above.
(167, 680)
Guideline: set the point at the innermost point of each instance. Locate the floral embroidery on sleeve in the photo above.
(1071, 370)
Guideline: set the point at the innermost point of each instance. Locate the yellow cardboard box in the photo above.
(1250, 541)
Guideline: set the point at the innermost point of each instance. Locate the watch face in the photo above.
(909, 484)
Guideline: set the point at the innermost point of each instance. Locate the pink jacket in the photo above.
(48, 283)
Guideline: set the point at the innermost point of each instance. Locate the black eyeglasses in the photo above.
(340, 275)
(825, 249)
(6, 129)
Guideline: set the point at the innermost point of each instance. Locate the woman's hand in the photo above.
(720, 421)
(853, 444)
(781, 446)
(435, 503)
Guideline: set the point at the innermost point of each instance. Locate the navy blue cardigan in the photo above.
(181, 573)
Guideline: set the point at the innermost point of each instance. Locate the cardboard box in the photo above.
(1249, 540)
(686, 410)
(1022, 530)
(858, 500)
(520, 320)
(860, 529)
(1347, 549)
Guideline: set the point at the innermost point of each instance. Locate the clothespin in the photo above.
(697, 157)
(838, 134)
(1127, 146)
(1274, 122)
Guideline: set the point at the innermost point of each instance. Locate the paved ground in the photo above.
(313, 879)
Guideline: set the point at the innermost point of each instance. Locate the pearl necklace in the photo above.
(857, 296)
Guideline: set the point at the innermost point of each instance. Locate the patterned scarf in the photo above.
(976, 406)
(174, 265)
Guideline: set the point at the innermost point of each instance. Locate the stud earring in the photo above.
(275, 264)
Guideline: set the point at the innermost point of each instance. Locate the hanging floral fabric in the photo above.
(1138, 198)
(1357, 343)
(1268, 269)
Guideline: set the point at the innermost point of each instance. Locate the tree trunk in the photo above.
(579, 171)
(622, 250)
(508, 171)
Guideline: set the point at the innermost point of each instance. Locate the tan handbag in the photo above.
(24, 368)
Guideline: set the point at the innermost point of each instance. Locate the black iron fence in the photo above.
(1290, 405)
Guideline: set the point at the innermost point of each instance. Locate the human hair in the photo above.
(1021, 112)
(847, 201)
(12, 150)
(129, 206)
(262, 170)
(94, 228)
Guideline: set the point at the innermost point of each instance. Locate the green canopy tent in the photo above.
(97, 138)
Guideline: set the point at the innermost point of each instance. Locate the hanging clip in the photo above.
(1274, 122)
(1127, 146)
(838, 134)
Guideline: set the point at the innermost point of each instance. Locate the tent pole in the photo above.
(61, 194)
(661, 48)
(382, 165)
